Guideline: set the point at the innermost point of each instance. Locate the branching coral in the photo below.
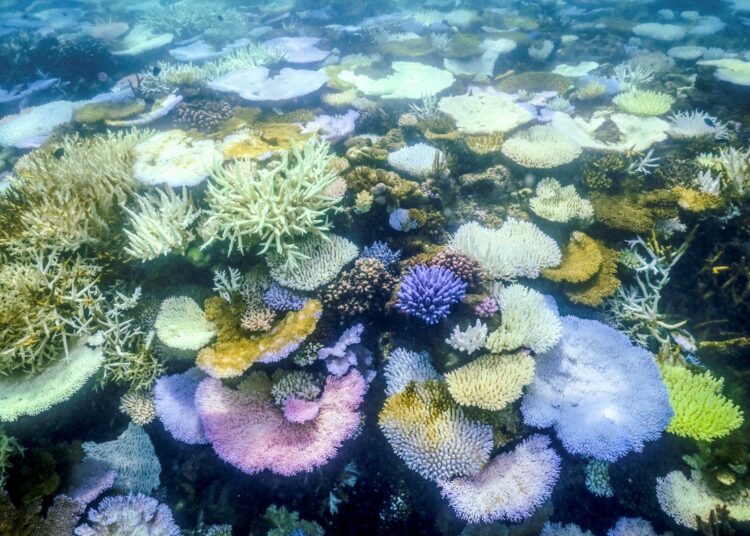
(491, 382)
(700, 410)
(470, 340)
(363, 289)
(275, 206)
(160, 225)
(45, 304)
(72, 200)
(429, 292)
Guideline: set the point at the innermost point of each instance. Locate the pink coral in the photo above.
(510, 487)
(299, 410)
(247, 430)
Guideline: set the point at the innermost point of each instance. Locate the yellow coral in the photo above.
(234, 352)
(483, 144)
(491, 382)
(581, 260)
(700, 410)
(696, 201)
(603, 285)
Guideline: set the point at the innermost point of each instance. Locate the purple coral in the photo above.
(346, 353)
(428, 292)
(487, 307)
(129, 514)
(280, 299)
(174, 397)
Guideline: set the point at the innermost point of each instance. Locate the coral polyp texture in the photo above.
(428, 292)
(603, 395)
(352, 258)
(510, 487)
(247, 430)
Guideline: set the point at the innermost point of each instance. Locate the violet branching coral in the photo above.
(428, 292)
(273, 207)
(129, 514)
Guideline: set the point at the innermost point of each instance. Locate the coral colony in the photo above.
(296, 268)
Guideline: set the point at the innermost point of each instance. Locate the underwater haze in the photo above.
(393, 267)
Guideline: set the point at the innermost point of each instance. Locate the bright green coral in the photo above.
(275, 206)
(701, 411)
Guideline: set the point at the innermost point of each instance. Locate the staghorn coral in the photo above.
(491, 382)
(160, 225)
(46, 304)
(247, 430)
(527, 321)
(294, 190)
(70, 201)
(234, 352)
(468, 341)
(431, 434)
(701, 412)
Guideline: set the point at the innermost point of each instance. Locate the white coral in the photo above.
(558, 203)
(468, 341)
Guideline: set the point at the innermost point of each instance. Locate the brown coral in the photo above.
(364, 288)
(204, 115)
(462, 265)
(636, 213)
(600, 287)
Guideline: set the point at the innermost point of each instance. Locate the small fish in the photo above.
(59, 153)
(709, 122)
(156, 70)
(221, 18)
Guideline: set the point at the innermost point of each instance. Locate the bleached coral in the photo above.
(510, 487)
(541, 146)
(160, 225)
(517, 249)
(491, 382)
(431, 434)
(470, 340)
(419, 160)
(603, 395)
(696, 124)
(132, 455)
(684, 499)
(405, 366)
(638, 102)
(527, 321)
(181, 324)
(484, 113)
(294, 189)
(139, 406)
(320, 260)
(174, 158)
(558, 203)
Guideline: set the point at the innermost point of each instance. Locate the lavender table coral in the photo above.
(427, 292)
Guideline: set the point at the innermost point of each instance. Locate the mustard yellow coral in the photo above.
(581, 260)
(492, 381)
(697, 201)
(603, 285)
(700, 410)
(234, 352)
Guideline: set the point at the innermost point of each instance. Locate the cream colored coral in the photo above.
(468, 341)
(558, 203)
(160, 225)
(640, 102)
(528, 321)
(541, 146)
(139, 406)
(491, 382)
(181, 324)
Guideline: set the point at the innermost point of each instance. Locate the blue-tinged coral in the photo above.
(428, 292)
(129, 514)
(380, 251)
(279, 298)
(400, 220)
